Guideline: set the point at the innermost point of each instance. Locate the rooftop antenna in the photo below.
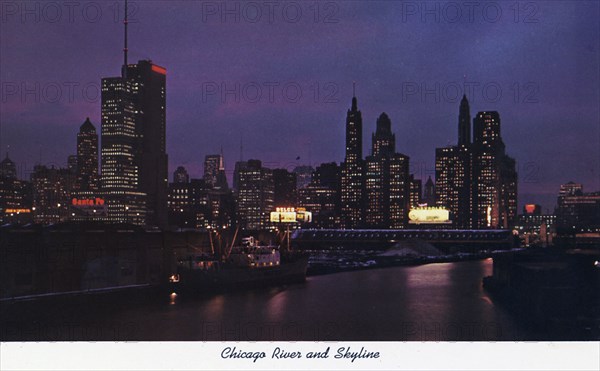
(222, 161)
(125, 49)
(354, 103)
(241, 148)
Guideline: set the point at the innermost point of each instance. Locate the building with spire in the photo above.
(214, 172)
(453, 178)
(429, 192)
(352, 170)
(476, 181)
(134, 160)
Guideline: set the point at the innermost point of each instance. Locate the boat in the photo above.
(248, 265)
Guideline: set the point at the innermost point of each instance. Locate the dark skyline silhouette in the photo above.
(552, 130)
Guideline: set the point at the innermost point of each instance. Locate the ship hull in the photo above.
(238, 278)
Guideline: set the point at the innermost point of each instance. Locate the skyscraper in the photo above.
(399, 190)
(416, 188)
(120, 179)
(87, 158)
(453, 183)
(453, 177)
(255, 195)
(134, 160)
(352, 180)
(477, 182)
(494, 175)
(387, 182)
(384, 141)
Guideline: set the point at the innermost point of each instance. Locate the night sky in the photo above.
(546, 65)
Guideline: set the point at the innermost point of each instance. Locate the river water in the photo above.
(433, 302)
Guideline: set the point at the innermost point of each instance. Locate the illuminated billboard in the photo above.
(88, 201)
(283, 217)
(17, 211)
(303, 216)
(290, 215)
(429, 215)
(92, 206)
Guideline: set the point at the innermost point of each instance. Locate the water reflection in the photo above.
(431, 302)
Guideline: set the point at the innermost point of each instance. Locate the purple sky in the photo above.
(542, 55)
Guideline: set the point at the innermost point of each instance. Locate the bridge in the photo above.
(451, 241)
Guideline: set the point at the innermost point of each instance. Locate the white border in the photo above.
(207, 355)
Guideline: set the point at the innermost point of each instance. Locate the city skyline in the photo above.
(314, 131)
(368, 172)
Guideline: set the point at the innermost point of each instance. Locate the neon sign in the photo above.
(88, 202)
(17, 211)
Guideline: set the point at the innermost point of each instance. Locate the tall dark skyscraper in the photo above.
(134, 159)
(387, 182)
(87, 158)
(352, 180)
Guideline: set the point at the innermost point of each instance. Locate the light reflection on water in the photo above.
(437, 302)
(431, 302)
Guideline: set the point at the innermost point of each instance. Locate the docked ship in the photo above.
(247, 265)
